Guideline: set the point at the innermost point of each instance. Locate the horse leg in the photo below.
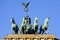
(40, 31)
(16, 31)
(43, 32)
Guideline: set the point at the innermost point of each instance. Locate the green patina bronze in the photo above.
(26, 27)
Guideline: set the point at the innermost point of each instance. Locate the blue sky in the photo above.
(40, 8)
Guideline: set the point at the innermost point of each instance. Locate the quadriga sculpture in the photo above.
(26, 24)
(35, 25)
(14, 26)
(44, 27)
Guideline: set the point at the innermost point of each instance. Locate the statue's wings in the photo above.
(25, 4)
